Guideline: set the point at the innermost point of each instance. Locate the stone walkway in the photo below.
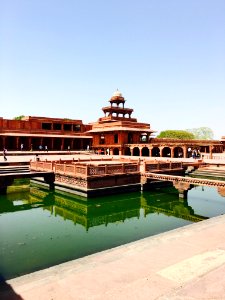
(17, 156)
(186, 263)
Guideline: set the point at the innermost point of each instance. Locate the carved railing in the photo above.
(215, 157)
(41, 165)
(96, 170)
(84, 170)
(113, 169)
(156, 166)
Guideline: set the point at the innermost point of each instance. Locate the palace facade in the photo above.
(116, 133)
(36, 132)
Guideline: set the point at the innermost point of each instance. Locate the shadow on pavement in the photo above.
(7, 292)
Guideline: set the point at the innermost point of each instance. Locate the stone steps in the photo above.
(209, 173)
(14, 169)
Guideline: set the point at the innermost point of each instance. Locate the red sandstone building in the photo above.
(117, 133)
(33, 132)
(117, 129)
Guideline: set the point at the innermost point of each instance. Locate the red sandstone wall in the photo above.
(34, 125)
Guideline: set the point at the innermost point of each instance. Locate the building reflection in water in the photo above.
(102, 210)
(49, 227)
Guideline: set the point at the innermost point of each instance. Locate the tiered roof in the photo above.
(118, 118)
(117, 110)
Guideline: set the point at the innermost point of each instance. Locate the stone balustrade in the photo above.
(85, 170)
(156, 166)
(189, 180)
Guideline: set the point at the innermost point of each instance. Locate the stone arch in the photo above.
(127, 151)
(155, 152)
(136, 151)
(145, 151)
(178, 152)
(166, 152)
(116, 151)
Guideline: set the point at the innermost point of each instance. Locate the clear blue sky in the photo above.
(66, 58)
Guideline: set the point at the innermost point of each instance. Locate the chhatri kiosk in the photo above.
(117, 129)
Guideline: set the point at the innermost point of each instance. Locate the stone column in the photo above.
(131, 151)
(17, 143)
(62, 144)
(185, 151)
(210, 152)
(72, 143)
(29, 143)
(81, 144)
(172, 152)
(160, 151)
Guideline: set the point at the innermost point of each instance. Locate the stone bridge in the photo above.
(183, 184)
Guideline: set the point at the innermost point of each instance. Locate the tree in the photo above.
(202, 133)
(19, 117)
(176, 134)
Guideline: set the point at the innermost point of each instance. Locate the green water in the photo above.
(39, 229)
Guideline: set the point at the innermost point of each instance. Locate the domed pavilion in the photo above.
(113, 133)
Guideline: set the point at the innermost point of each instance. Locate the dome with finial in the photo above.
(117, 93)
(117, 97)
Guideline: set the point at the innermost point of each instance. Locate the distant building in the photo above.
(117, 133)
(120, 134)
(33, 132)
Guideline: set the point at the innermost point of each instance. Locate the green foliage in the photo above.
(19, 117)
(202, 133)
(176, 134)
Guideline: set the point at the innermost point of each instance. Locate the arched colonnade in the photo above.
(159, 151)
